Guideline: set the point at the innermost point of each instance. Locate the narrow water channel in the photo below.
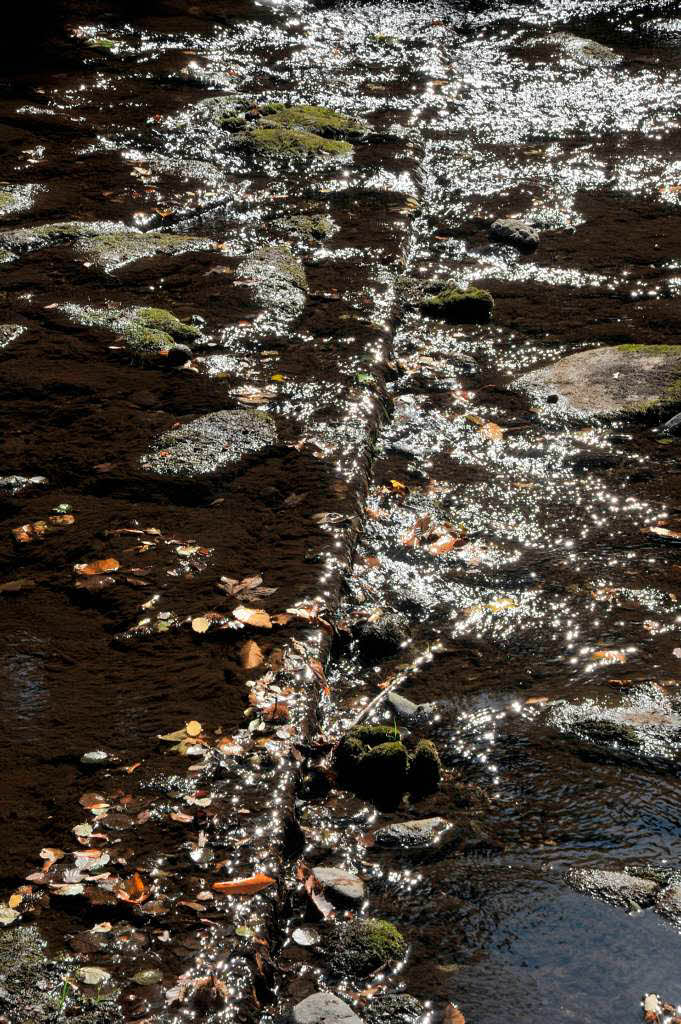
(258, 483)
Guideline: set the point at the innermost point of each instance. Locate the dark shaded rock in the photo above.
(359, 947)
(210, 443)
(317, 227)
(459, 306)
(625, 380)
(396, 1008)
(382, 771)
(425, 770)
(277, 278)
(509, 231)
(615, 887)
(381, 636)
(323, 1008)
(412, 834)
(339, 883)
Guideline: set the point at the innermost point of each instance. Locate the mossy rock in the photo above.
(315, 228)
(425, 770)
(278, 280)
(113, 249)
(361, 946)
(284, 142)
(609, 733)
(459, 306)
(22, 240)
(149, 333)
(164, 320)
(382, 770)
(319, 120)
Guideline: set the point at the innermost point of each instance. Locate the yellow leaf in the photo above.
(200, 624)
(278, 376)
(193, 728)
(174, 737)
(14, 900)
(253, 617)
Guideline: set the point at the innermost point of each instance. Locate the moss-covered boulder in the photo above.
(459, 305)
(358, 947)
(112, 249)
(210, 443)
(277, 278)
(150, 334)
(425, 770)
(310, 227)
(633, 381)
(383, 770)
(19, 241)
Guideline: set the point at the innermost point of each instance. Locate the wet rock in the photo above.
(425, 769)
(10, 333)
(509, 231)
(210, 443)
(110, 250)
(615, 887)
(14, 197)
(150, 334)
(19, 241)
(14, 484)
(381, 635)
(395, 1008)
(403, 709)
(445, 300)
(668, 903)
(315, 228)
(340, 884)
(587, 51)
(278, 279)
(359, 947)
(382, 771)
(323, 1008)
(412, 834)
(607, 383)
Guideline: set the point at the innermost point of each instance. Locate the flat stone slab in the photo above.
(277, 278)
(210, 443)
(411, 834)
(340, 883)
(324, 1008)
(616, 887)
(668, 902)
(622, 380)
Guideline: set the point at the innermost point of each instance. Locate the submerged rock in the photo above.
(149, 333)
(624, 380)
(394, 1008)
(210, 443)
(359, 947)
(381, 635)
(323, 1008)
(19, 241)
(616, 887)
(317, 227)
(10, 333)
(509, 231)
(278, 279)
(585, 50)
(340, 883)
(412, 834)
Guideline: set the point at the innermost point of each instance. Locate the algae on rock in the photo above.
(149, 333)
(361, 946)
(277, 278)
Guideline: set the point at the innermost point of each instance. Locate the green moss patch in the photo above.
(361, 946)
(459, 306)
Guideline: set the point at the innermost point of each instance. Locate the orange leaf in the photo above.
(94, 568)
(452, 1015)
(245, 886)
(493, 432)
(252, 617)
(133, 890)
(251, 655)
(444, 544)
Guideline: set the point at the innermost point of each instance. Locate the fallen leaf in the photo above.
(492, 431)
(183, 819)
(252, 617)
(193, 729)
(201, 624)
(609, 656)
(452, 1015)
(133, 890)
(95, 568)
(14, 586)
(444, 544)
(245, 886)
(93, 975)
(662, 531)
(251, 655)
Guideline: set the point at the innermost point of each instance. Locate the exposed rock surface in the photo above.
(616, 887)
(412, 834)
(149, 333)
(15, 483)
(382, 634)
(625, 380)
(210, 443)
(324, 1008)
(587, 51)
(113, 249)
(360, 946)
(22, 240)
(340, 883)
(394, 1008)
(509, 231)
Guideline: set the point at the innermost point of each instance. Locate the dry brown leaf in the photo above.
(133, 890)
(245, 886)
(201, 624)
(492, 431)
(609, 656)
(95, 568)
(452, 1015)
(662, 531)
(444, 544)
(181, 817)
(252, 617)
(251, 655)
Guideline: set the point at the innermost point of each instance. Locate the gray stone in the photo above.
(340, 883)
(404, 710)
(15, 483)
(625, 380)
(210, 443)
(277, 278)
(394, 1008)
(310, 226)
(585, 50)
(615, 887)
(412, 834)
(324, 1008)
(95, 757)
(514, 232)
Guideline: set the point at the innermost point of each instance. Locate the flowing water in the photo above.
(410, 478)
